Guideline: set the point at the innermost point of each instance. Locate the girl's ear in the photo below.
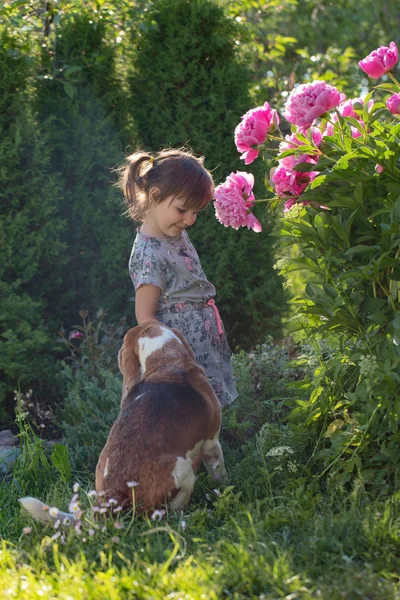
(154, 195)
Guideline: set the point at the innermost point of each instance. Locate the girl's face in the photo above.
(170, 216)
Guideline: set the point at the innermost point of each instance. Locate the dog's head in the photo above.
(146, 347)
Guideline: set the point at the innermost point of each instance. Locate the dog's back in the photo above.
(165, 419)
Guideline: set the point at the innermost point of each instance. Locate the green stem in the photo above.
(393, 78)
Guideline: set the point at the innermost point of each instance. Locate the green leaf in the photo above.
(387, 87)
(69, 88)
(362, 249)
(395, 275)
(60, 460)
(318, 181)
(304, 167)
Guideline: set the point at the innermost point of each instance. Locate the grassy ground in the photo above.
(277, 531)
(273, 533)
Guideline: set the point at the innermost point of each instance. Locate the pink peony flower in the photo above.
(380, 61)
(291, 141)
(253, 130)
(309, 101)
(346, 109)
(290, 183)
(393, 104)
(233, 200)
(77, 335)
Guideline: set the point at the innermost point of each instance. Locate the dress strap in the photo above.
(211, 303)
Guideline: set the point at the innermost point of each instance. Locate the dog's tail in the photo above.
(42, 512)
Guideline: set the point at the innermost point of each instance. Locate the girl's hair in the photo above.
(177, 174)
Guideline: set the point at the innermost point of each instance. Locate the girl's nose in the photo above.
(190, 220)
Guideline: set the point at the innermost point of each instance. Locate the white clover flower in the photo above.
(102, 511)
(57, 524)
(117, 509)
(183, 524)
(112, 501)
(158, 515)
(92, 494)
(73, 507)
(67, 521)
(27, 530)
(132, 484)
(53, 511)
(91, 532)
(115, 539)
(76, 487)
(118, 525)
(56, 536)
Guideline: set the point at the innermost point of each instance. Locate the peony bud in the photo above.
(380, 61)
(393, 104)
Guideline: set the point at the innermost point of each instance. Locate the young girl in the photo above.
(166, 192)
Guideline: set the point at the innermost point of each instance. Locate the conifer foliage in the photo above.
(30, 230)
(80, 110)
(190, 87)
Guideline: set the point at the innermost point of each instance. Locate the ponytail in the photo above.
(133, 183)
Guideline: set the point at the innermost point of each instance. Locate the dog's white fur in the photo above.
(40, 512)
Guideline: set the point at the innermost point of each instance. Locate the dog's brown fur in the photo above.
(153, 442)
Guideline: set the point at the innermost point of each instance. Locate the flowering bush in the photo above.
(338, 177)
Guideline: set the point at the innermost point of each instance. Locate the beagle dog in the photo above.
(169, 421)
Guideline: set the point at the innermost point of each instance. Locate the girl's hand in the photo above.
(147, 297)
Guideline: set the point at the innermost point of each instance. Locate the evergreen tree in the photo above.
(82, 116)
(30, 247)
(189, 87)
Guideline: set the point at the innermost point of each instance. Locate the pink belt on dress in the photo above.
(211, 303)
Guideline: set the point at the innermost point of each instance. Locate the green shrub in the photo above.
(79, 104)
(90, 408)
(30, 230)
(266, 381)
(189, 86)
(345, 225)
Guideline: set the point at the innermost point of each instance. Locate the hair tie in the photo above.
(151, 160)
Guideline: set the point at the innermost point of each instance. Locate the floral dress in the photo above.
(186, 303)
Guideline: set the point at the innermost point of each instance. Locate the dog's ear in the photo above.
(128, 360)
(184, 342)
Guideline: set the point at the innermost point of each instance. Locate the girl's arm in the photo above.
(147, 297)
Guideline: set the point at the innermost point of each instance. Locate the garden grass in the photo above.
(269, 534)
